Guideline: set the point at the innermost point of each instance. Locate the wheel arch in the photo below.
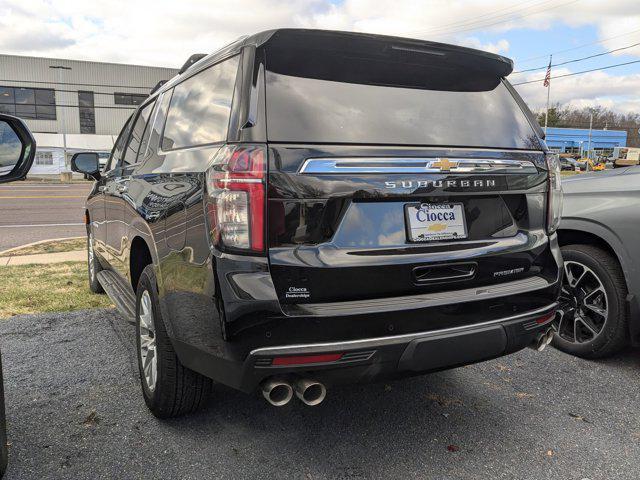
(139, 257)
(591, 233)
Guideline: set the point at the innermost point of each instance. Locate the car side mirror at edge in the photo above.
(87, 163)
(17, 149)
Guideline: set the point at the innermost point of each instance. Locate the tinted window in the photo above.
(301, 109)
(118, 147)
(151, 139)
(86, 112)
(137, 133)
(35, 103)
(200, 107)
(128, 98)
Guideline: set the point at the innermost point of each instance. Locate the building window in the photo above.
(87, 112)
(128, 98)
(30, 103)
(44, 158)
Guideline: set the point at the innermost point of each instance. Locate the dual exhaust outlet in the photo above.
(542, 340)
(278, 392)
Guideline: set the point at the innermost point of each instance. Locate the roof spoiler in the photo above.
(382, 46)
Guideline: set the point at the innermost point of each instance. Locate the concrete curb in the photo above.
(5, 253)
(43, 258)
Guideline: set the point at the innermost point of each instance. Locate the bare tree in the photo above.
(603, 118)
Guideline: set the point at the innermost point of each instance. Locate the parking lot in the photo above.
(40, 211)
(75, 411)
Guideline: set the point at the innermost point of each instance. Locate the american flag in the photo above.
(547, 77)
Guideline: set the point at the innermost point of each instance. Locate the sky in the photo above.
(166, 33)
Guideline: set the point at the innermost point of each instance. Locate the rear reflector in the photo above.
(305, 359)
(547, 318)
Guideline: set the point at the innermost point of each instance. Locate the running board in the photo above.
(120, 293)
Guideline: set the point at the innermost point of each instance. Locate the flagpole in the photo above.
(546, 115)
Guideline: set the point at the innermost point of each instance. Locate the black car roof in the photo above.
(300, 39)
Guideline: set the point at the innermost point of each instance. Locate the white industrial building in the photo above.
(73, 105)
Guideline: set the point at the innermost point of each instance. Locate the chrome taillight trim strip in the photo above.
(350, 165)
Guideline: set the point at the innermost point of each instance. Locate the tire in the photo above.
(597, 301)
(93, 266)
(172, 390)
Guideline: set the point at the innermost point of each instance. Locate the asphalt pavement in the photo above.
(75, 411)
(30, 212)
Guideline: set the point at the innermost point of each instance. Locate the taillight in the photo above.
(554, 196)
(236, 197)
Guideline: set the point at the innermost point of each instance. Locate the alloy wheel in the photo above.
(583, 309)
(148, 354)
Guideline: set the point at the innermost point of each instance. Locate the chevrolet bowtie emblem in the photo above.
(444, 164)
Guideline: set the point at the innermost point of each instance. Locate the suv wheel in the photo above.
(169, 389)
(93, 266)
(592, 318)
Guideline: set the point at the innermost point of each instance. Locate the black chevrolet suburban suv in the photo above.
(304, 208)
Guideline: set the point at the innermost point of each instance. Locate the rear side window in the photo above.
(137, 133)
(200, 107)
(373, 101)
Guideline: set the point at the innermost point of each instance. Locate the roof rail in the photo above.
(158, 85)
(196, 57)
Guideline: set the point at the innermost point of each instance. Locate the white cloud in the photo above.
(162, 32)
(501, 46)
(589, 89)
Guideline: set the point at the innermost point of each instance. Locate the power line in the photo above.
(578, 73)
(78, 91)
(111, 107)
(490, 15)
(71, 83)
(480, 24)
(579, 46)
(579, 59)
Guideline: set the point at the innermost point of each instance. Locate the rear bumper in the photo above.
(373, 359)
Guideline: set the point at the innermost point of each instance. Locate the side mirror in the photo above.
(17, 149)
(87, 163)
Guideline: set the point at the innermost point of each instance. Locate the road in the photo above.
(75, 411)
(38, 211)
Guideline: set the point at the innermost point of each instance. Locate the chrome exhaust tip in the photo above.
(310, 392)
(277, 392)
(549, 336)
(542, 340)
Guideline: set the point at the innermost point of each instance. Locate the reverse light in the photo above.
(554, 196)
(236, 197)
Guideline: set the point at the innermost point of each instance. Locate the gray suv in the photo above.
(599, 235)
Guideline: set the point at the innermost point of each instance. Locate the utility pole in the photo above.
(63, 122)
(590, 129)
(547, 83)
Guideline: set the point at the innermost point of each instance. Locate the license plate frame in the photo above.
(459, 231)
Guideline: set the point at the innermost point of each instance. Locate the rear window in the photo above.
(348, 107)
(200, 107)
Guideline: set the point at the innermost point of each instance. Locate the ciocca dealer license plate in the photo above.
(435, 221)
